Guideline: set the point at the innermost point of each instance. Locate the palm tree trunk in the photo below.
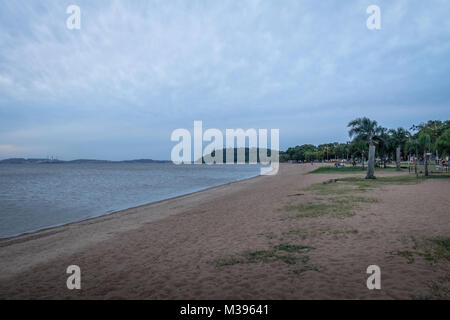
(415, 163)
(398, 158)
(371, 163)
(425, 159)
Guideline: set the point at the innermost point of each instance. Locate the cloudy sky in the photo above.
(137, 70)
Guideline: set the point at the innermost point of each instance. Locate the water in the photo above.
(37, 196)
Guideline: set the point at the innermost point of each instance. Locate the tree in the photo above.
(434, 128)
(310, 155)
(412, 146)
(299, 152)
(424, 140)
(443, 143)
(366, 129)
(358, 148)
(384, 141)
(399, 138)
(342, 150)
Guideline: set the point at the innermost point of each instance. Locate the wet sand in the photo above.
(183, 248)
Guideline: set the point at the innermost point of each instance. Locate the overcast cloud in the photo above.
(139, 69)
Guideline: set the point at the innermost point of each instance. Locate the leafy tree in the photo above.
(443, 143)
(424, 141)
(342, 150)
(434, 128)
(366, 129)
(412, 146)
(299, 152)
(359, 148)
(399, 139)
(385, 145)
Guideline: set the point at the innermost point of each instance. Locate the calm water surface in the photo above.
(36, 196)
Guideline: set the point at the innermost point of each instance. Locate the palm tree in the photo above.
(384, 142)
(399, 137)
(364, 128)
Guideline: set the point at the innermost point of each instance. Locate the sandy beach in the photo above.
(255, 239)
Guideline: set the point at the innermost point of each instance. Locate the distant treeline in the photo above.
(430, 137)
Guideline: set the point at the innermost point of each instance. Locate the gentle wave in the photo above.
(38, 196)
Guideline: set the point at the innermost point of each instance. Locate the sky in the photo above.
(137, 70)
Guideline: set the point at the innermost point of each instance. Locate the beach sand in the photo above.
(238, 241)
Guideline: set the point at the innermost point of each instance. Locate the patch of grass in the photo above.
(300, 233)
(260, 255)
(334, 207)
(435, 249)
(438, 176)
(344, 233)
(247, 257)
(368, 184)
(348, 169)
(293, 248)
(315, 210)
(408, 255)
(360, 199)
(229, 261)
(288, 259)
(305, 268)
(353, 185)
(437, 290)
(287, 253)
(305, 233)
(434, 173)
(431, 249)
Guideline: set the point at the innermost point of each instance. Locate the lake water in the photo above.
(37, 196)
